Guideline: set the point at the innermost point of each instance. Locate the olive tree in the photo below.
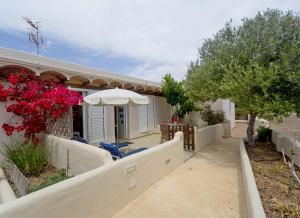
(176, 95)
(256, 65)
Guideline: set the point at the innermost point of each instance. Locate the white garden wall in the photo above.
(103, 191)
(6, 192)
(82, 157)
(208, 135)
(227, 106)
(254, 205)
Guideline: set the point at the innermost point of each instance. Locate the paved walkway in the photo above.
(207, 185)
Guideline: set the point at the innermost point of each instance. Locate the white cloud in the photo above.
(164, 35)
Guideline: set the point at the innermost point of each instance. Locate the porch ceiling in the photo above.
(83, 81)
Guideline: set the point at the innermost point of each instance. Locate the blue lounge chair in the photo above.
(116, 154)
(79, 139)
(119, 144)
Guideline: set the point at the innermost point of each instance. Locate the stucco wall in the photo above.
(254, 205)
(6, 193)
(226, 106)
(6, 117)
(109, 123)
(82, 157)
(287, 143)
(103, 191)
(208, 135)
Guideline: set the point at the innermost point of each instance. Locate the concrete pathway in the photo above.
(207, 185)
(240, 130)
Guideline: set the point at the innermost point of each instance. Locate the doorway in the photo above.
(78, 120)
(120, 122)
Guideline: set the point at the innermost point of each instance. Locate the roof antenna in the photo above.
(34, 33)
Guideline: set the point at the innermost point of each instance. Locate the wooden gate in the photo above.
(168, 132)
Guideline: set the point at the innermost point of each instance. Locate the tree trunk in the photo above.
(250, 129)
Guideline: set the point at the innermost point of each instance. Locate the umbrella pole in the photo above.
(117, 125)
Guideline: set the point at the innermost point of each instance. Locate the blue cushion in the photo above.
(134, 151)
(113, 150)
(119, 144)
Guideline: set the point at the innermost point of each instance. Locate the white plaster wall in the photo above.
(110, 123)
(82, 157)
(103, 191)
(6, 193)
(227, 106)
(6, 117)
(254, 205)
(208, 135)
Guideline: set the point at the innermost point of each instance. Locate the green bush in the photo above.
(212, 117)
(264, 133)
(29, 157)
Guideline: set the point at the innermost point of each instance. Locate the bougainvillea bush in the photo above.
(35, 101)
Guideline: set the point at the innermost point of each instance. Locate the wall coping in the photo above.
(6, 192)
(254, 205)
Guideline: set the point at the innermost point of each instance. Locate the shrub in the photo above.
(212, 117)
(264, 133)
(36, 101)
(28, 156)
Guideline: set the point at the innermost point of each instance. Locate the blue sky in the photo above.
(67, 52)
(145, 39)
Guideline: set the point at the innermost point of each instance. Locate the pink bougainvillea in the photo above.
(35, 100)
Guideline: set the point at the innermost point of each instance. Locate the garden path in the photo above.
(207, 185)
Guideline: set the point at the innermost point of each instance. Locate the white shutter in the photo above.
(96, 124)
(147, 116)
(143, 118)
(151, 113)
(96, 130)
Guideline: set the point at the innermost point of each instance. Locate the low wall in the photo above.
(287, 143)
(101, 192)
(254, 205)
(208, 135)
(82, 157)
(6, 193)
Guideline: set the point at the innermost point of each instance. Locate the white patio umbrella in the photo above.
(115, 97)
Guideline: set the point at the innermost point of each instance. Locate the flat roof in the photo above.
(15, 57)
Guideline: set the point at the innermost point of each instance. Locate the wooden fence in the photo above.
(168, 132)
(17, 177)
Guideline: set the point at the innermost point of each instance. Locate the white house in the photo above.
(94, 123)
(97, 123)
